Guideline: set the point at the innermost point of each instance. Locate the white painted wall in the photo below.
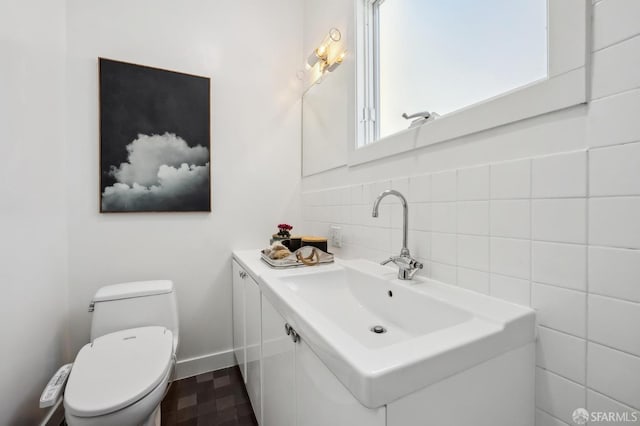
(327, 105)
(33, 249)
(543, 212)
(251, 52)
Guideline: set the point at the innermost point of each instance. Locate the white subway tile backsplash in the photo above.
(473, 280)
(372, 190)
(510, 257)
(510, 218)
(615, 272)
(560, 309)
(615, 170)
(473, 183)
(473, 217)
(557, 395)
(562, 354)
(561, 175)
(520, 230)
(614, 373)
(443, 248)
(473, 252)
(564, 265)
(615, 69)
(419, 243)
(615, 323)
(615, 222)
(401, 185)
(442, 272)
(511, 289)
(419, 216)
(613, 120)
(511, 179)
(598, 402)
(545, 419)
(614, 21)
(357, 194)
(561, 220)
(443, 186)
(443, 217)
(420, 188)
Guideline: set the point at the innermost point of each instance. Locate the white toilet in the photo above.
(121, 376)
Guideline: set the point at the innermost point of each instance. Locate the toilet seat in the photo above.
(117, 370)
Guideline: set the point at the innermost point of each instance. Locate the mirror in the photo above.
(325, 115)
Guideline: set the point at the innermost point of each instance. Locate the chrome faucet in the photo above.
(407, 265)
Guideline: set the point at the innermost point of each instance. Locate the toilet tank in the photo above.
(135, 304)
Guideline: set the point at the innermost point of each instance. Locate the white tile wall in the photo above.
(507, 230)
(615, 69)
(473, 217)
(511, 179)
(614, 222)
(511, 218)
(560, 309)
(563, 175)
(545, 419)
(615, 170)
(614, 373)
(512, 289)
(614, 21)
(564, 265)
(557, 395)
(558, 232)
(608, 323)
(614, 119)
(562, 220)
(473, 183)
(562, 354)
(614, 272)
(598, 402)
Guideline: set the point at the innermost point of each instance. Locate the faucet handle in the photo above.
(391, 259)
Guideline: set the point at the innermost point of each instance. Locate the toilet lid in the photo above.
(118, 369)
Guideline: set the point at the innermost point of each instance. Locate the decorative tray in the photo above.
(292, 262)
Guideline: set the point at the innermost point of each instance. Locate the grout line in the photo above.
(546, 412)
(582, 385)
(624, 404)
(586, 311)
(531, 235)
(589, 341)
(615, 43)
(622, 351)
(562, 332)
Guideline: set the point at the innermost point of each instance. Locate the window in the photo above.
(477, 65)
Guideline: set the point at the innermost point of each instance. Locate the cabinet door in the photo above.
(238, 318)
(322, 400)
(278, 381)
(253, 332)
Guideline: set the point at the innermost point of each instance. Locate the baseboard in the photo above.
(55, 415)
(202, 364)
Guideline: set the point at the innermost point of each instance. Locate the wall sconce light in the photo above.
(322, 55)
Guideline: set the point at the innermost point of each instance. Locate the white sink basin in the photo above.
(432, 330)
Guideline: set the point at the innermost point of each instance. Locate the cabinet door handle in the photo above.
(288, 329)
(295, 336)
(242, 274)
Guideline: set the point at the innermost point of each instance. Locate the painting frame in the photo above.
(160, 100)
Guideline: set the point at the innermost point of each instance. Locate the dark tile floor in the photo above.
(218, 398)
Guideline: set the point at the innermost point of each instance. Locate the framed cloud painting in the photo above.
(154, 140)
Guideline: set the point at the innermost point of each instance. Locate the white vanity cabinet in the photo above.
(238, 318)
(278, 374)
(298, 389)
(247, 339)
